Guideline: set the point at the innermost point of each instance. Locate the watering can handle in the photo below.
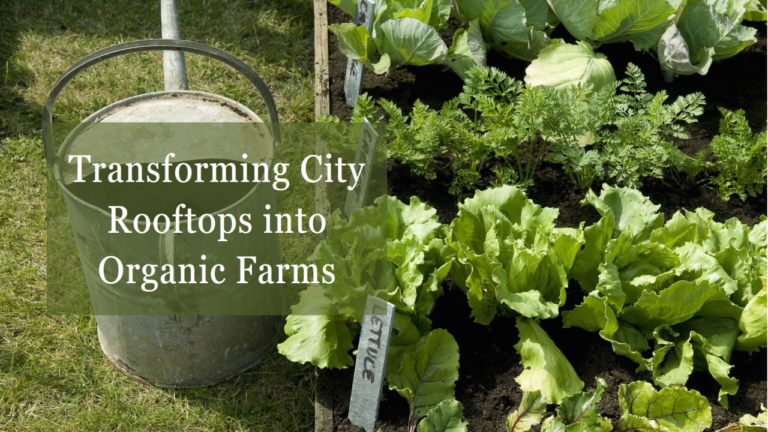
(153, 45)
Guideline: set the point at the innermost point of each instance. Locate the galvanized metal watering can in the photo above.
(168, 350)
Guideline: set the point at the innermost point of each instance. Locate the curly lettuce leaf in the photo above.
(681, 284)
(509, 256)
(680, 302)
(595, 314)
(703, 343)
(323, 340)
(753, 323)
(391, 250)
(546, 368)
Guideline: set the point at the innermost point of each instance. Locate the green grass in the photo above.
(53, 375)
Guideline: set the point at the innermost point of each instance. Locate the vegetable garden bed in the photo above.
(489, 362)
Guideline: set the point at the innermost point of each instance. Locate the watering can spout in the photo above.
(174, 68)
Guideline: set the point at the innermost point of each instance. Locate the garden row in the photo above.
(466, 117)
(674, 296)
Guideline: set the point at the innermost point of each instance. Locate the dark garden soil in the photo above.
(489, 363)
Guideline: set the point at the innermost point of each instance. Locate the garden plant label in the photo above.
(366, 149)
(371, 362)
(353, 83)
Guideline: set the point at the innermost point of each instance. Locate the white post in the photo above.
(174, 68)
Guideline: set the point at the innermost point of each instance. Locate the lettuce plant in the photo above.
(509, 258)
(390, 250)
(393, 251)
(406, 33)
(642, 408)
(740, 157)
(683, 285)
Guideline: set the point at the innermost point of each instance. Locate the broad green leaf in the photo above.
(633, 212)
(323, 340)
(467, 50)
(752, 324)
(508, 256)
(680, 302)
(389, 250)
(706, 30)
(408, 41)
(432, 12)
(530, 412)
(670, 409)
(563, 65)
(508, 199)
(582, 407)
(528, 50)
(348, 6)
(415, 218)
(578, 413)
(676, 57)
(536, 14)
(356, 43)
(596, 237)
(546, 368)
(672, 361)
(500, 20)
(579, 17)
(407, 9)
(640, 21)
(756, 11)
(447, 416)
(427, 373)
(610, 286)
(703, 343)
(704, 267)
(595, 314)
(681, 229)
(608, 21)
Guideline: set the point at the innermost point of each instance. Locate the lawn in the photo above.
(53, 375)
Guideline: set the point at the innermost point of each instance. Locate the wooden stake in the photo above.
(323, 401)
(322, 97)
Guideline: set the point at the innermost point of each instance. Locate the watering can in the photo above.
(173, 351)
